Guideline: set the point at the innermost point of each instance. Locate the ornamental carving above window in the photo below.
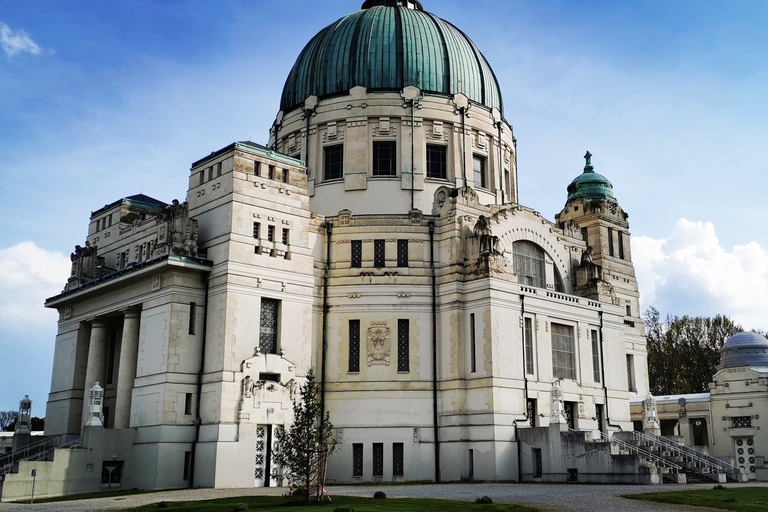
(379, 346)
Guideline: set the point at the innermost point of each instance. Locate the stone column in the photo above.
(126, 372)
(96, 367)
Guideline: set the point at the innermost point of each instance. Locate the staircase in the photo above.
(650, 462)
(697, 467)
(39, 450)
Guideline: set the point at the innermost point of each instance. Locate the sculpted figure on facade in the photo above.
(87, 265)
(488, 242)
(177, 233)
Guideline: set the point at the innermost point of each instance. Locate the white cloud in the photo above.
(18, 41)
(30, 275)
(691, 273)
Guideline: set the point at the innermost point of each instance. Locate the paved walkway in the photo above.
(547, 497)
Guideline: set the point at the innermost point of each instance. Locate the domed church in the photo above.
(377, 238)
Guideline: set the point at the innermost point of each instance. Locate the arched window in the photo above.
(529, 264)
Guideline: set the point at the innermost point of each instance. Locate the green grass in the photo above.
(280, 504)
(746, 499)
(87, 496)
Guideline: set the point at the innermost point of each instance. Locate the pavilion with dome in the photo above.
(377, 238)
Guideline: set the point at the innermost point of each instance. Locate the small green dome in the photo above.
(388, 45)
(590, 185)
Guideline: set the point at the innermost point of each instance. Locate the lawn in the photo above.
(279, 504)
(746, 499)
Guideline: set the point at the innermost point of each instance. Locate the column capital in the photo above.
(99, 322)
(131, 313)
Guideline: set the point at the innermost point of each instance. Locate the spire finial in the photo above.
(588, 158)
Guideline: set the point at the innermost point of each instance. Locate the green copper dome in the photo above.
(590, 185)
(388, 45)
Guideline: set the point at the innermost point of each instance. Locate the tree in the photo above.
(7, 418)
(683, 352)
(303, 448)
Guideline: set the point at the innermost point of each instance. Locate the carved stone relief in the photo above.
(379, 346)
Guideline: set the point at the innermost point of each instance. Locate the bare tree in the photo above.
(7, 418)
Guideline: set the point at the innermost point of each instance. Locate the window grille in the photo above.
(403, 338)
(354, 345)
(595, 356)
(478, 168)
(398, 462)
(599, 417)
(286, 238)
(261, 450)
(437, 162)
(357, 459)
(529, 264)
(379, 253)
(357, 254)
(384, 159)
(378, 459)
(334, 162)
(270, 233)
(568, 409)
(538, 465)
(268, 326)
(741, 422)
(271, 172)
(402, 253)
(256, 230)
(529, 369)
(530, 411)
(563, 352)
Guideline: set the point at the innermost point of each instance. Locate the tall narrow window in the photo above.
(529, 368)
(569, 411)
(585, 235)
(402, 253)
(529, 264)
(403, 342)
(357, 459)
(384, 161)
(563, 352)
(437, 161)
(192, 311)
(379, 253)
(356, 260)
(270, 233)
(354, 346)
(256, 168)
(111, 356)
(610, 241)
(530, 411)
(629, 310)
(621, 244)
(595, 356)
(256, 230)
(508, 184)
(285, 175)
(218, 169)
(286, 238)
(478, 169)
(631, 373)
(378, 459)
(187, 465)
(268, 326)
(599, 417)
(398, 464)
(472, 347)
(187, 404)
(271, 172)
(334, 162)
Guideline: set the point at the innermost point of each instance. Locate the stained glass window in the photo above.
(268, 326)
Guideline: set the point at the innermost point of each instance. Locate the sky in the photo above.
(102, 100)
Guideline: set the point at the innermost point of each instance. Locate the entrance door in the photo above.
(745, 454)
(266, 472)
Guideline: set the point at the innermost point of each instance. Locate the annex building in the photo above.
(377, 237)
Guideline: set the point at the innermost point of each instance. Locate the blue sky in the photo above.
(100, 100)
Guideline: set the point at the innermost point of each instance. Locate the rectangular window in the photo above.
(271, 172)
(218, 169)
(398, 465)
(610, 241)
(256, 230)
(529, 368)
(256, 168)
(569, 411)
(192, 312)
(384, 161)
(286, 238)
(478, 169)
(402, 253)
(378, 459)
(285, 175)
(334, 162)
(621, 244)
(403, 349)
(631, 373)
(187, 404)
(357, 459)
(563, 352)
(210, 173)
(595, 356)
(530, 411)
(269, 377)
(356, 260)
(508, 184)
(741, 422)
(437, 162)
(629, 311)
(268, 326)
(379, 253)
(187, 465)
(585, 235)
(472, 348)
(599, 417)
(270, 233)
(202, 177)
(354, 346)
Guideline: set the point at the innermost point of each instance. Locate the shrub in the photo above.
(162, 504)
(343, 509)
(240, 507)
(485, 500)
(719, 487)
(379, 495)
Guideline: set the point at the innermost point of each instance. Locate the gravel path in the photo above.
(548, 497)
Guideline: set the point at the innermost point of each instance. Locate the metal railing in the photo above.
(658, 461)
(39, 450)
(700, 459)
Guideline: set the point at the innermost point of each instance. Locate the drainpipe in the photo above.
(326, 276)
(434, 349)
(517, 183)
(501, 164)
(463, 111)
(525, 380)
(198, 419)
(308, 113)
(602, 372)
(413, 158)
